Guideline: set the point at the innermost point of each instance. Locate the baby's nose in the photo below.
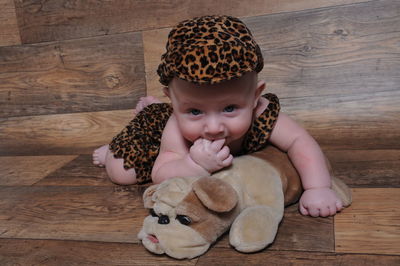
(214, 127)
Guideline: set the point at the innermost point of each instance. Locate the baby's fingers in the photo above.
(339, 205)
(223, 153)
(327, 211)
(227, 161)
(216, 145)
(303, 210)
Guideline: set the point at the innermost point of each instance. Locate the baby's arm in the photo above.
(318, 198)
(177, 160)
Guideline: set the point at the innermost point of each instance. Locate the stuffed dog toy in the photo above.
(188, 214)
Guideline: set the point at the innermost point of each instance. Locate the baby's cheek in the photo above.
(240, 128)
(190, 133)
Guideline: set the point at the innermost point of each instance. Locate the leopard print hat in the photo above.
(209, 50)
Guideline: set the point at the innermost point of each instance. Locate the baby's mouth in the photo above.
(152, 238)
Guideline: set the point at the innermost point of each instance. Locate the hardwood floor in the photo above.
(72, 71)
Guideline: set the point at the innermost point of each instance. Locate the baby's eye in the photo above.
(230, 109)
(194, 112)
(183, 219)
(153, 213)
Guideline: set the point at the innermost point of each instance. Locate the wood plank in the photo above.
(337, 51)
(154, 46)
(366, 168)
(54, 252)
(56, 20)
(294, 233)
(223, 256)
(356, 121)
(79, 172)
(9, 32)
(60, 134)
(371, 224)
(93, 74)
(110, 214)
(27, 170)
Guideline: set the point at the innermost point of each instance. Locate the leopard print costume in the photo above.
(139, 142)
(209, 50)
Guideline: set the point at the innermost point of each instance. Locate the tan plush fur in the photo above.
(248, 198)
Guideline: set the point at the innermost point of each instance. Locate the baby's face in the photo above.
(220, 111)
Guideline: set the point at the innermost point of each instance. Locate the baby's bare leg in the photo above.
(103, 157)
(114, 166)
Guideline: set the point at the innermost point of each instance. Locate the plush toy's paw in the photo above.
(254, 228)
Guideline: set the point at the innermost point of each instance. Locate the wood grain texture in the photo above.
(54, 252)
(344, 50)
(27, 170)
(366, 168)
(95, 74)
(223, 256)
(154, 46)
(9, 32)
(356, 121)
(60, 134)
(371, 224)
(59, 20)
(87, 213)
(79, 172)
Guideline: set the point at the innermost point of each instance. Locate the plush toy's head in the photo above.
(187, 215)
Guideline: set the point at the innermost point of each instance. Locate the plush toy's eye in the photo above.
(183, 219)
(153, 213)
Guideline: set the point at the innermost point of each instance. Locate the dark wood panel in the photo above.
(53, 252)
(353, 121)
(59, 20)
(9, 33)
(111, 214)
(223, 256)
(76, 133)
(337, 51)
(102, 73)
(366, 168)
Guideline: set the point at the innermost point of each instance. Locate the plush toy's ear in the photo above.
(215, 194)
(147, 196)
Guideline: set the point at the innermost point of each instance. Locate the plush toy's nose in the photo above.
(164, 219)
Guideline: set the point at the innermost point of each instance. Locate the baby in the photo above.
(218, 112)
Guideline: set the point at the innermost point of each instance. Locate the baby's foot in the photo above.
(145, 101)
(99, 156)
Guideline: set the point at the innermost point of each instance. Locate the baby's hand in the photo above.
(211, 155)
(320, 202)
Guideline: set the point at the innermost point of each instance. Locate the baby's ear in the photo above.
(259, 90)
(166, 92)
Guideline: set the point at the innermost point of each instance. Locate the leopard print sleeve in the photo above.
(260, 131)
